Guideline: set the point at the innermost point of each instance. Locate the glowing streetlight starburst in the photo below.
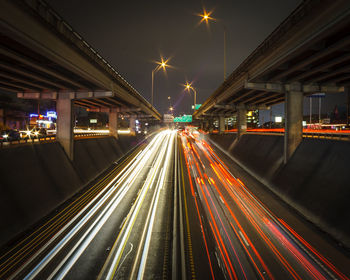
(160, 64)
(188, 86)
(206, 16)
(163, 64)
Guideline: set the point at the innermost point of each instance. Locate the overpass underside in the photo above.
(308, 53)
(42, 57)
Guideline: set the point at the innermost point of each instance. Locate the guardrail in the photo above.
(91, 134)
(332, 135)
(49, 138)
(8, 143)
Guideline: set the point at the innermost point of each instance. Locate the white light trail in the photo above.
(131, 172)
(154, 208)
(113, 260)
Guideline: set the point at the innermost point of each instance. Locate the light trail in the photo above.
(131, 218)
(220, 195)
(224, 243)
(154, 208)
(47, 232)
(112, 264)
(98, 210)
(132, 172)
(197, 211)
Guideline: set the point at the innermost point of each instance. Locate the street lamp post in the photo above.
(169, 98)
(163, 64)
(224, 52)
(206, 17)
(189, 87)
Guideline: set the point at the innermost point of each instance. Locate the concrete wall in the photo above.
(315, 181)
(35, 179)
(225, 140)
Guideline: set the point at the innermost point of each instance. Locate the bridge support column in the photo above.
(201, 125)
(132, 123)
(221, 124)
(293, 134)
(113, 122)
(241, 122)
(211, 126)
(206, 125)
(64, 133)
(347, 91)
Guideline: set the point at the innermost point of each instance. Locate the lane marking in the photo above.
(121, 225)
(193, 272)
(244, 239)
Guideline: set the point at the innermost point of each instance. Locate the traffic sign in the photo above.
(184, 118)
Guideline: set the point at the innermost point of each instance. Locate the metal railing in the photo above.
(336, 135)
(49, 138)
(29, 140)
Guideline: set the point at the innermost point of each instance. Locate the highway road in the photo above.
(250, 241)
(120, 231)
(171, 209)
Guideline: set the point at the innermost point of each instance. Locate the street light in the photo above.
(206, 17)
(163, 64)
(189, 87)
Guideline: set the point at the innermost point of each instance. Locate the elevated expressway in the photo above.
(42, 57)
(309, 52)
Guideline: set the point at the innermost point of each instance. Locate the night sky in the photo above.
(132, 35)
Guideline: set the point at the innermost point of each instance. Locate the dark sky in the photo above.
(131, 35)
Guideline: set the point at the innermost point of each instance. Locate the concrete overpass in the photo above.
(309, 52)
(42, 57)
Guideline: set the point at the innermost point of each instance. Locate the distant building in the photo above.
(13, 119)
(231, 122)
(253, 119)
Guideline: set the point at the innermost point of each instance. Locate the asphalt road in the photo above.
(244, 238)
(171, 210)
(121, 231)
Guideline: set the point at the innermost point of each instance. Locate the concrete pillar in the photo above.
(64, 133)
(132, 123)
(221, 124)
(293, 111)
(211, 126)
(113, 122)
(206, 125)
(241, 121)
(347, 92)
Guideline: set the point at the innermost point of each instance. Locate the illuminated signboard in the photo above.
(51, 114)
(93, 120)
(183, 119)
(197, 106)
(278, 119)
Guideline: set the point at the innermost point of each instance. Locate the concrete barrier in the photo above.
(36, 179)
(315, 181)
(225, 140)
